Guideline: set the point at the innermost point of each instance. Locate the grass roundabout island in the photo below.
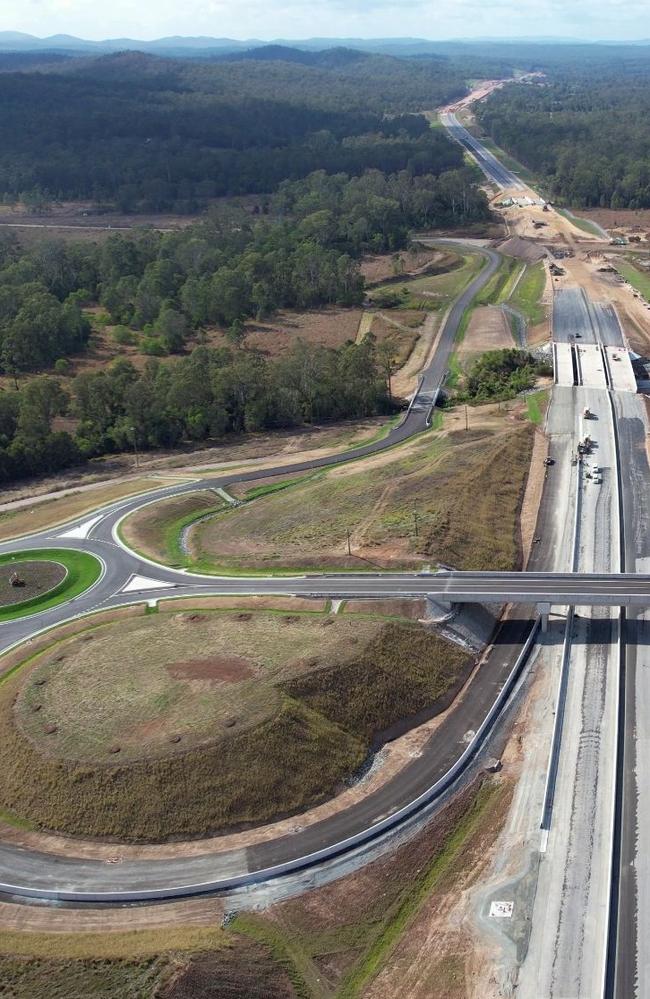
(32, 581)
(150, 727)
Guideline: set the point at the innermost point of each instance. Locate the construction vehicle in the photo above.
(595, 474)
(586, 413)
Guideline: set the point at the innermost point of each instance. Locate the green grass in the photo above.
(496, 290)
(455, 371)
(638, 279)
(581, 223)
(527, 295)
(276, 487)
(446, 286)
(536, 406)
(82, 571)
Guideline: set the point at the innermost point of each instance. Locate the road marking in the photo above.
(136, 584)
(82, 530)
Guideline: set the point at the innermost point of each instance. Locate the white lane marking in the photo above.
(137, 584)
(82, 530)
(544, 842)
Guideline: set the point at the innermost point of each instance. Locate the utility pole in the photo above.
(347, 531)
(415, 523)
(466, 419)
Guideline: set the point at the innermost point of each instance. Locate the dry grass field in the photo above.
(453, 499)
(182, 725)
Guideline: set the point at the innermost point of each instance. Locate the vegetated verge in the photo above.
(81, 571)
(452, 499)
(136, 731)
(376, 924)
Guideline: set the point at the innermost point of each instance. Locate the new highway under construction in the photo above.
(588, 918)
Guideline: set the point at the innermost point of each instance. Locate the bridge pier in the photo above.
(440, 611)
(544, 610)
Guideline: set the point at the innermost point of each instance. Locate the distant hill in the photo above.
(329, 58)
(203, 46)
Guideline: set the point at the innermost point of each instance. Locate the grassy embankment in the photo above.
(640, 280)
(581, 223)
(329, 943)
(431, 292)
(82, 571)
(395, 519)
(528, 293)
(174, 708)
(341, 937)
(536, 404)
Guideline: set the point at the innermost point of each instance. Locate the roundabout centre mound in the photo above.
(66, 573)
(26, 580)
(182, 725)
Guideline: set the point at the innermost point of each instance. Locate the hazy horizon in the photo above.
(444, 20)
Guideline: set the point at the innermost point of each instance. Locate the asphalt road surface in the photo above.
(489, 164)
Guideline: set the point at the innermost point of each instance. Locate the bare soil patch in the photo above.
(488, 329)
(220, 669)
(523, 249)
(622, 220)
(376, 269)
(336, 934)
(34, 580)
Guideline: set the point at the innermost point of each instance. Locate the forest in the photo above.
(145, 134)
(158, 287)
(207, 394)
(585, 132)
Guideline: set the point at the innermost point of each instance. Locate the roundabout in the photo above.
(122, 580)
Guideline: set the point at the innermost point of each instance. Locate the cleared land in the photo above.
(488, 329)
(314, 691)
(338, 939)
(378, 932)
(432, 291)
(450, 498)
(379, 268)
(34, 579)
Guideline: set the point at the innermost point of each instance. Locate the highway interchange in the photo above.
(593, 555)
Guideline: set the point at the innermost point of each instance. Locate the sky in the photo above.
(268, 19)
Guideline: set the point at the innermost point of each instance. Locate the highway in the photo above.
(489, 164)
(587, 910)
(567, 953)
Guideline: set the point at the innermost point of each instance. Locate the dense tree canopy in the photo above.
(585, 132)
(206, 395)
(157, 287)
(145, 134)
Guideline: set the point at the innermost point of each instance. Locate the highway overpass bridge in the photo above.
(543, 588)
